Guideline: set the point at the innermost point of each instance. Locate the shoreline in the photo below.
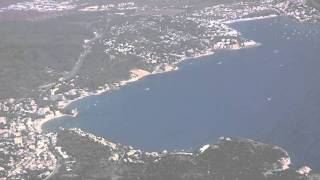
(40, 122)
(138, 74)
(250, 19)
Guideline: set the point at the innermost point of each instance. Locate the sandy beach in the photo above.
(37, 124)
(135, 75)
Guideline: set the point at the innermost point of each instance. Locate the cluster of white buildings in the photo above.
(107, 7)
(25, 150)
(236, 11)
(41, 6)
(299, 10)
(163, 47)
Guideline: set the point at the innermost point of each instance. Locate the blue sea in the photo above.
(270, 93)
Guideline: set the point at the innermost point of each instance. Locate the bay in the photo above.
(270, 93)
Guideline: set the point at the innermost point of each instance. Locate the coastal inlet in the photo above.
(267, 93)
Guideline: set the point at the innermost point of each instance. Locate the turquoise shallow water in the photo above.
(270, 93)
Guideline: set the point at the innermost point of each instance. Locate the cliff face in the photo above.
(91, 157)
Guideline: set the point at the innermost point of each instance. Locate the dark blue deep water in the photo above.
(270, 93)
